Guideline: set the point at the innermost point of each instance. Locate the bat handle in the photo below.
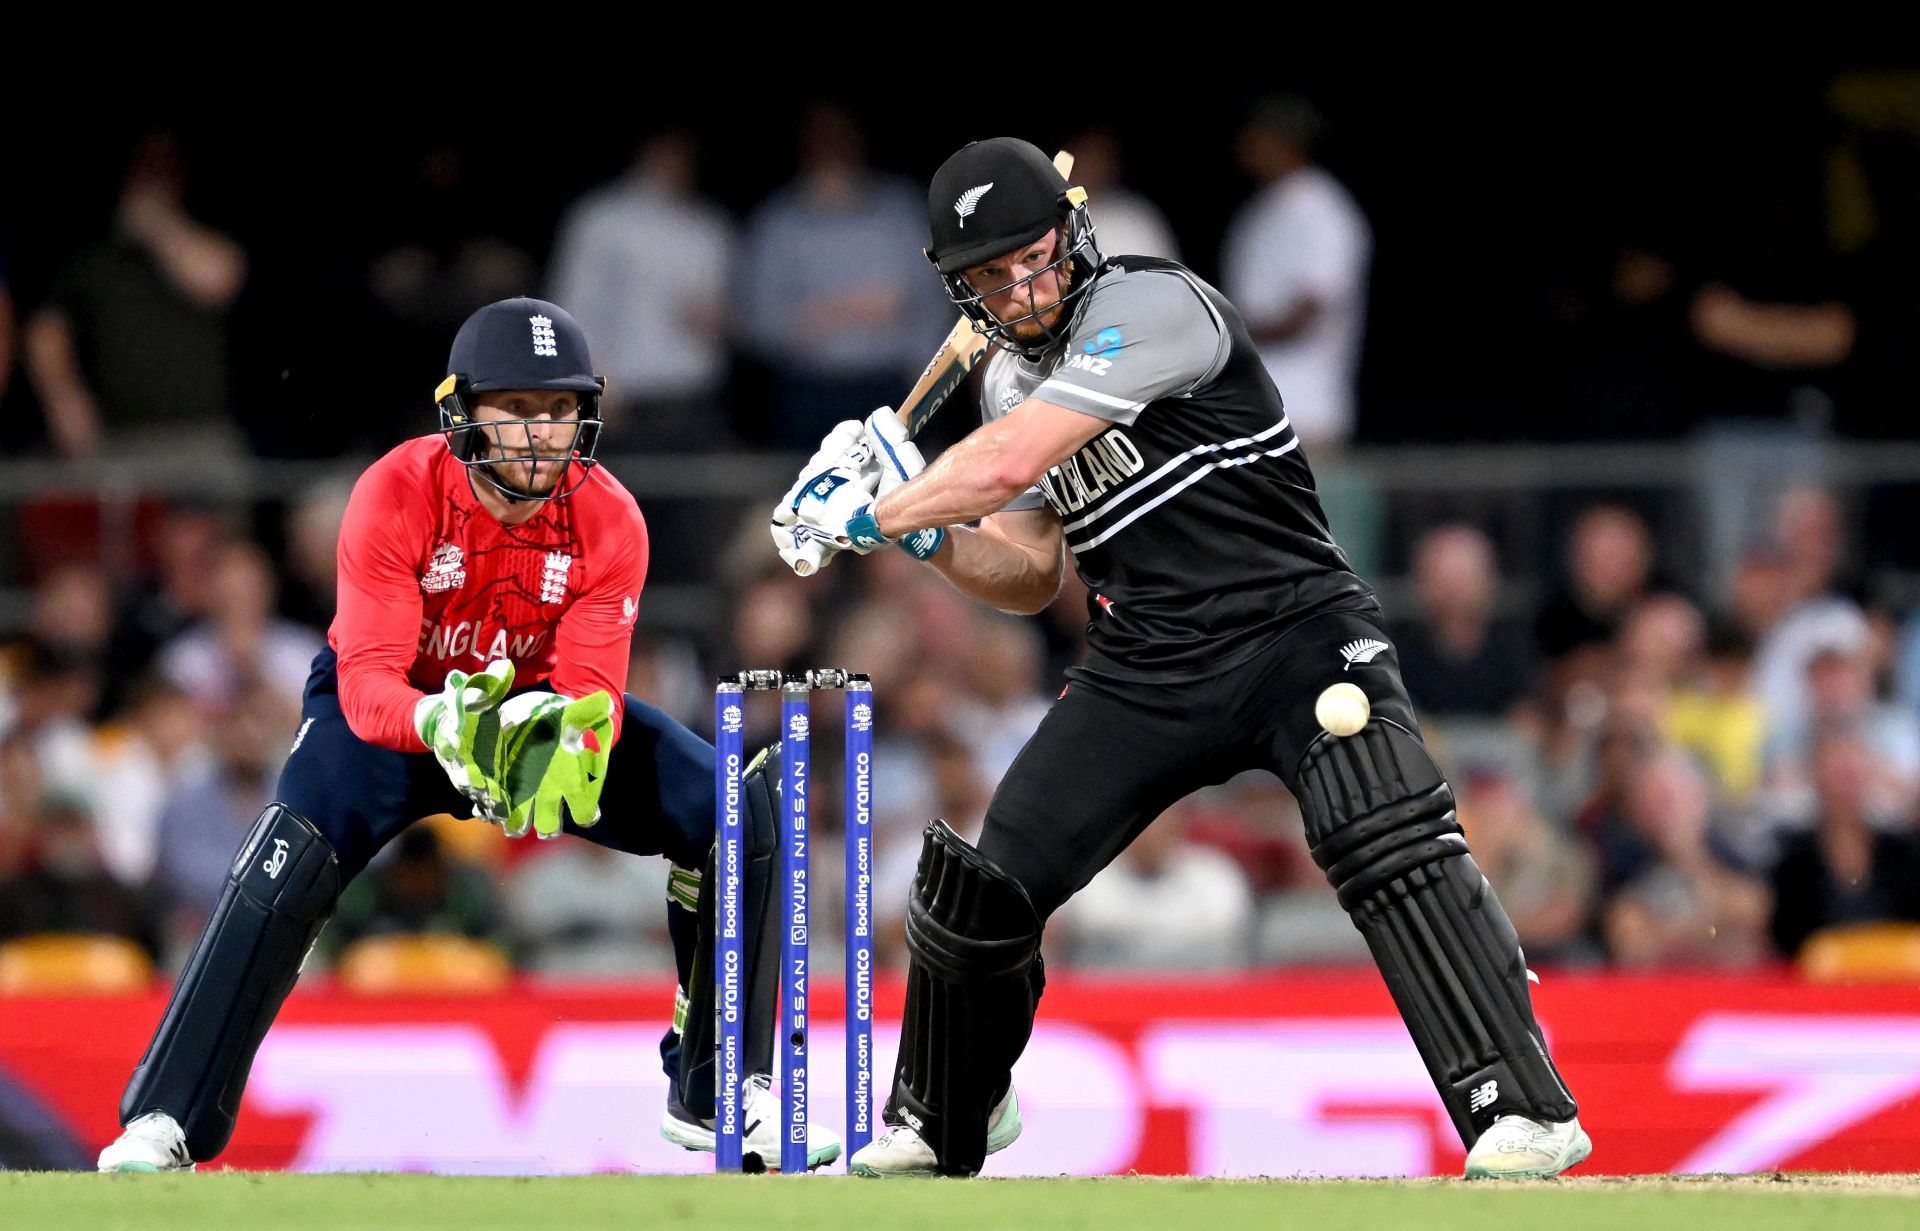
(806, 558)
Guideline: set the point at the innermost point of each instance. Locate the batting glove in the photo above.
(899, 460)
(803, 548)
(831, 499)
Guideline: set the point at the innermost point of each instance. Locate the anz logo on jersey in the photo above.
(1094, 355)
(1103, 464)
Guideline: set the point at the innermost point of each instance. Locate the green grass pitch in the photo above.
(275, 1202)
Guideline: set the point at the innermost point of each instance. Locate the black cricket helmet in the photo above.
(519, 344)
(991, 198)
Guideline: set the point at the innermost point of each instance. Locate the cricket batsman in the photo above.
(489, 578)
(1129, 423)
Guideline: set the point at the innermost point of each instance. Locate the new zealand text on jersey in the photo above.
(456, 640)
(1103, 463)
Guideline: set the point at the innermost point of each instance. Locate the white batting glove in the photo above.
(894, 452)
(803, 548)
(899, 460)
(830, 500)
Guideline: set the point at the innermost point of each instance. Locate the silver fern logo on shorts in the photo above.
(1361, 652)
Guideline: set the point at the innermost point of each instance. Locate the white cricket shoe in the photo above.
(153, 1142)
(900, 1151)
(1517, 1148)
(761, 1111)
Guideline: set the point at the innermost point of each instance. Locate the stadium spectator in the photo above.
(1662, 638)
(583, 911)
(143, 757)
(178, 591)
(1883, 367)
(644, 263)
(414, 888)
(1685, 902)
(61, 885)
(837, 301)
(73, 613)
(1125, 223)
(1808, 599)
(1545, 880)
(1456, 658)
(1715, 717)
(128, 353)
(1610, 568)
(1768, 315)
(48, 694)
(313, 538)
(1851, 864)
(1624, 747)
(1295, 262)
(1165, 904)
(212, 803)
(241, 644)
(1840, 691)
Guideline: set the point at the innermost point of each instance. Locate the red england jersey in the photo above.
(430, 582)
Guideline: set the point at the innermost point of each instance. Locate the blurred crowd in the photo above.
(1666, 753)
(1650, 775)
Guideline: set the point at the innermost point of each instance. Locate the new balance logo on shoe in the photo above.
(1483, 1095)
(1361, 652)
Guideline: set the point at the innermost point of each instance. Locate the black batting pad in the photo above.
(972, 987)
(280, 891)
(1380, 821)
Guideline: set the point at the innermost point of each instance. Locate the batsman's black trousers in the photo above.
(1111, 755)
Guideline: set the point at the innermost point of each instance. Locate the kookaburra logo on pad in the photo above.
(1361, 652)
(968, 202)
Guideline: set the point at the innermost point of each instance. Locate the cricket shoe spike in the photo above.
(900, 1151)
(761, 1114)
(153, 1142)
(1517, 1148)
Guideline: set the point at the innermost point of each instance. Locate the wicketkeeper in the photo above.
(489, 578)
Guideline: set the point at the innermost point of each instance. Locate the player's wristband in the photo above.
(864, 532)
(921, 544)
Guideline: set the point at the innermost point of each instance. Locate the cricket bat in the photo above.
(942, 377)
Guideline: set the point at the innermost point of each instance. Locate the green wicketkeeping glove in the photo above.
(458, 725)
(553, 752)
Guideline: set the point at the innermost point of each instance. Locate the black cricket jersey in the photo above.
(1193, 519)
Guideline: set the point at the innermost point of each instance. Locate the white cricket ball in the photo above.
(1342, 709)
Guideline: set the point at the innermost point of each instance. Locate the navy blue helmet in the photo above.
(518, 344)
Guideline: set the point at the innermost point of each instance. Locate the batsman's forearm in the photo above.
(966, 483)
(998, 573)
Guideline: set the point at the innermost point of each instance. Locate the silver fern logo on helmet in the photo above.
(1361, 652)
(968, 202)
